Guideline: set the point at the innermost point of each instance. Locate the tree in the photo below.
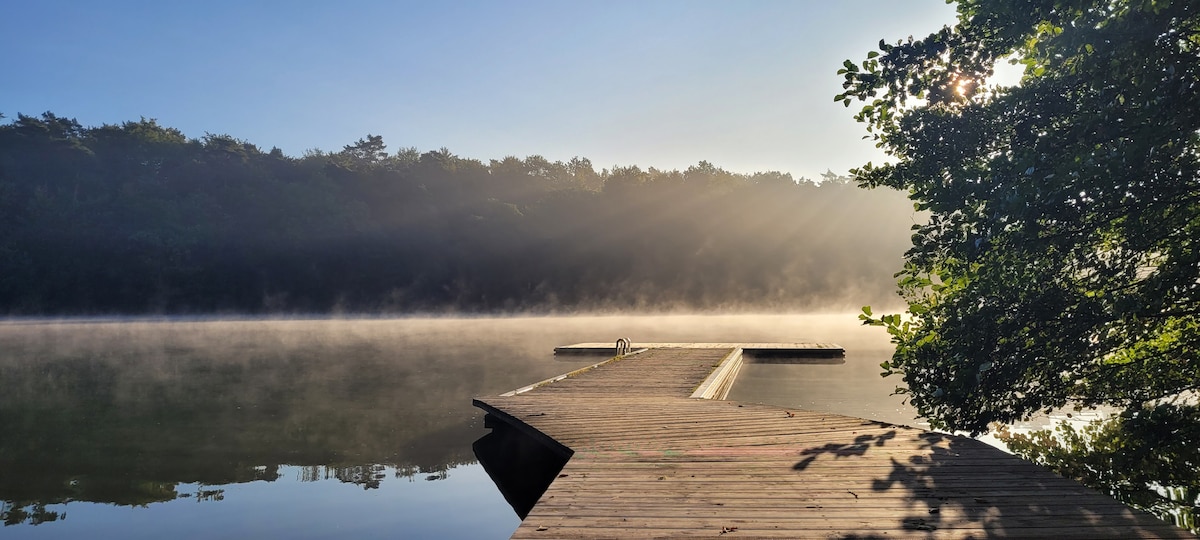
(369, 150)
(136, 217)
(1061, 260)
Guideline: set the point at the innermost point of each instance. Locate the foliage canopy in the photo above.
(1061, 262)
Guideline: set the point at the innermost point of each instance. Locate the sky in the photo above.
(747, 85)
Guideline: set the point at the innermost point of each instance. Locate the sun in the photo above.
(964, 86)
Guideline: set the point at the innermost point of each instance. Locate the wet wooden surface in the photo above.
(650, 462)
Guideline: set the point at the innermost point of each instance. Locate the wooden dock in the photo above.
(648, 459)
(761, 350)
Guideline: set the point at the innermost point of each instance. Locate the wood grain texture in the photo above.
(648, 461)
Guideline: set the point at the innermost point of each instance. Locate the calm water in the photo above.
(322, 428)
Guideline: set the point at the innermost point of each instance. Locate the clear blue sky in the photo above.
(745, 85)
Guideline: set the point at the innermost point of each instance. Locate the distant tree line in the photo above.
(138, 218)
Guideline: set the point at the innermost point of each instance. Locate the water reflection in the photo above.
(126, 413)
(141, 419)
(298, 505)
(850, 385)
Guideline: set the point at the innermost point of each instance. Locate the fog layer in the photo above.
(122, 412)
(138, 218)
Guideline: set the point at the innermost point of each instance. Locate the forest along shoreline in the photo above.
(138, 218)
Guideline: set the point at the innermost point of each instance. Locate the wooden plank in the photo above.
(743, 530)
(720, 381)
(649, 460)
(763, 349)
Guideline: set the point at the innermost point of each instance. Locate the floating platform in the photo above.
(646, 457)
(797, 352)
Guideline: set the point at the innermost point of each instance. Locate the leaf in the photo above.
(1060, 213)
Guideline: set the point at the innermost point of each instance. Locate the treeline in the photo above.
(139, 218)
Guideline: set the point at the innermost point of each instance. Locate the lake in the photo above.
(324, 428)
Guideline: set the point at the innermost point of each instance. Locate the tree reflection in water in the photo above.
(1148, 457)
(136, 413)
(124, 413)
(14, 513)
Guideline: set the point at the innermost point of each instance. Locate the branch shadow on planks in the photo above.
(954, 486)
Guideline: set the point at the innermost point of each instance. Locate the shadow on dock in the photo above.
(772, 356)
(963, 487)
(650, 459)
(521, 467)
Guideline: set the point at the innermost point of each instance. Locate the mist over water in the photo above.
(147, 428)
(369, 231)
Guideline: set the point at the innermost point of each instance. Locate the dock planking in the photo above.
(648, 460)
(795, 350)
